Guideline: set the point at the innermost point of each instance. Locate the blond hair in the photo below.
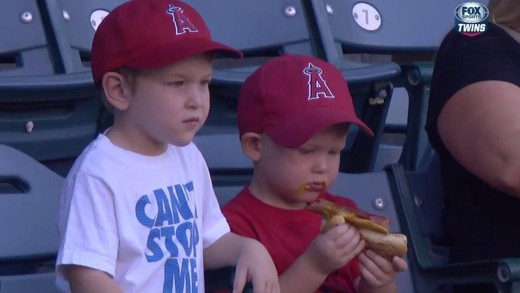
(504, 12)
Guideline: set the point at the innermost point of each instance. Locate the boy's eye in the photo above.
(176, 83)
(205, 82)
(306, 151)
(336, 152)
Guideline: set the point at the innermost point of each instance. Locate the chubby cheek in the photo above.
(288, 178)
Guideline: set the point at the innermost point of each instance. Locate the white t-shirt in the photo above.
(143, 220)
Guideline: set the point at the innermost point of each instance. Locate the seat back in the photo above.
(261, 30)
(371, 192)
(229, 167)
(47, 110)
(379, 27)
(375, 27)
(419, 199)
(74, 23)
(41, 282)
(27, 50)
(28, 206)
(29, 199)
(252, 26)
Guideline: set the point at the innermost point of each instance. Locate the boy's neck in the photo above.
(133, 141)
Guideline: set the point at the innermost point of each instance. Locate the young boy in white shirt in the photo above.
(138, 212)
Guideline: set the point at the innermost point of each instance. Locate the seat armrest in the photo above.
(498, 271)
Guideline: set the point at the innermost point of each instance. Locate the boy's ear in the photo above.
(251, 145)
(117, 91)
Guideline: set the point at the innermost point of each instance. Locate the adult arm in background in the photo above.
(480, 126)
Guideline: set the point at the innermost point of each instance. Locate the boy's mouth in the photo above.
(314, 186)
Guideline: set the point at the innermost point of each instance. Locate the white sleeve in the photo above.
(88, 230)
(214, 224)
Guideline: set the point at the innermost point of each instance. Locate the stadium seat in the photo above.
(370, 83)
(410, 34)
(371, 192)
(418, 197)
(46, 110)
(29, 194)
(262, 30)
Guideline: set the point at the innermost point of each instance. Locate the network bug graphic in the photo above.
(471, 18)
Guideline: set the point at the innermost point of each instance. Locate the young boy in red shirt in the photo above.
(293, 117)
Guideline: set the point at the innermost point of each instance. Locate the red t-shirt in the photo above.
(286, 234)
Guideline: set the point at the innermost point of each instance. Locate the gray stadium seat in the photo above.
(370, 83)
(74, 24)
(46, 110)
(261, 30)
(371, 191)
(418, 197)
(29, 195)
(413, 29)
(40, 282)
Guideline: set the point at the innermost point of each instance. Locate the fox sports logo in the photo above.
(471, 18)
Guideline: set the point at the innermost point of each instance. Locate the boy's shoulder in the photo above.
(102, 158)
(96, 157)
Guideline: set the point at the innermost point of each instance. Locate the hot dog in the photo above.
(373, 229)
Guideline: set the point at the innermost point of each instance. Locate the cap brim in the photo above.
(294, 133)
(168, 53)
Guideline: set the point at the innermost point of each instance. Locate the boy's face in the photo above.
(170, 104)
(291, 178)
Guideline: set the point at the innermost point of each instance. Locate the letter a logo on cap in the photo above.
(180, 20)
(317, 85)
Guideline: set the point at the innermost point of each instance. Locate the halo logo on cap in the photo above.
(317, 85)
(471, 18)
(180, 20)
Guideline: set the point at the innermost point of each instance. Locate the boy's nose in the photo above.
(195, 99)
(320, 166)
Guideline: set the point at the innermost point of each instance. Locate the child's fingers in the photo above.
(380, 272)
(399, 264)
(367, 275)
(240, 281)
(385, 265)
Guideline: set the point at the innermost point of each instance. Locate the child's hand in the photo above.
(377, 271)
(334, 248)
(255, 264)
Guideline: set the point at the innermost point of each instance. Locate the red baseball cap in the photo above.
(146, 34)
(293, 97)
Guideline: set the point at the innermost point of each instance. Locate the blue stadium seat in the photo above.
(418, 197)
(29, 196)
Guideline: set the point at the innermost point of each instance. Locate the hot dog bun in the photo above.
(373, 229)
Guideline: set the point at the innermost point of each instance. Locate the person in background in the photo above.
(473, 124)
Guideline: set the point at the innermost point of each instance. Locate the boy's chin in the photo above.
(182, 141)
(309, 196)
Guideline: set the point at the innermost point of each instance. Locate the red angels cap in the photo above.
(293, 97)
(146, 34)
